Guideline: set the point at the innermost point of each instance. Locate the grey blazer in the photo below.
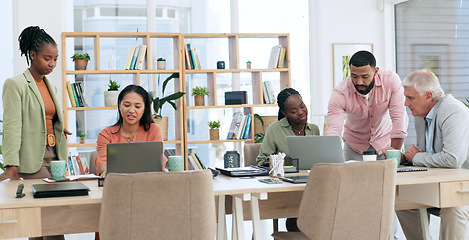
(449, 134)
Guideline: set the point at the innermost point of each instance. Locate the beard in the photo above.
(367, 87)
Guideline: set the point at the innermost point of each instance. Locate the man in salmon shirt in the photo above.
(372, 101)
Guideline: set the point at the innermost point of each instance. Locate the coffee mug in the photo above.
(369, 157)
(394, 154)
(175, 163)
(58, 169)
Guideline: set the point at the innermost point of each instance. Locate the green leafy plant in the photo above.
(79, 56)
(214, 124)
(82, 134)
(159, 102)
(200, 91)
(160, 59)
(259, 137)
(466, 103)
(113, 86)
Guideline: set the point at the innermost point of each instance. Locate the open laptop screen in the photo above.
(134, 157)
(315, 149)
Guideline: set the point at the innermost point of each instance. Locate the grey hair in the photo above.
(424, 81)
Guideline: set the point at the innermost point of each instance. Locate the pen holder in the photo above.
(276, 162)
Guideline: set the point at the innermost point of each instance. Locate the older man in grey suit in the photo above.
(441, 123)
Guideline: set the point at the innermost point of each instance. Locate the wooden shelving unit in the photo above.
(181, 140)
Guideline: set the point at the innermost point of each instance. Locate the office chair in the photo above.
(158, 205)
(251, 150)
(93, 156)
(347, 201)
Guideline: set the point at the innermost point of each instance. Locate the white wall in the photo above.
(345, 21)
(50, 15)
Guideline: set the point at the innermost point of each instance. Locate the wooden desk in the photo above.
(29, 217)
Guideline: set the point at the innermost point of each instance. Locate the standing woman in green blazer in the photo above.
(34, 133)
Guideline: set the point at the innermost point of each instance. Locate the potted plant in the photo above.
(81, 60)
(199, 93)
(161, 63)
(82, 138)
(158, 106)
(214, 130)
(110, 96)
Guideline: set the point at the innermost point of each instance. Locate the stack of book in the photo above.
(136, 58)
(277, 57)
(195, 163)
(77, 166)
(76, 94)
(191, 59)
(240, 127)
(269, 95)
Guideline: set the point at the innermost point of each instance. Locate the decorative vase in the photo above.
(161, 65)
(110, 98)
(214, 134)
(163, 123)
(81, 64)
(199, 100)
(82, 140)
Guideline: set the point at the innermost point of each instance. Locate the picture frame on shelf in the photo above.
(341, 54)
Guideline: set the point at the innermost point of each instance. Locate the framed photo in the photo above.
(341, 54)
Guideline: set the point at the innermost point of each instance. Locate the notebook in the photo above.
(134, 157)
(62, 189)
(315, 149)
(295, 179)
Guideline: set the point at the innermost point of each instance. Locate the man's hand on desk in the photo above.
(391, 148)
(11, 172)
(411, 151)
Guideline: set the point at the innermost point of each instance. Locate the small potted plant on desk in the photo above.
(158, 106)
(199, 93)
(161, 63)
(82, 138)
(214, 130)
(81, 60)
(110, 96)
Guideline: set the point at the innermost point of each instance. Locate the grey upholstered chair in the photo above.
(251, 150)
(93, 156)
(347, 201)
(158, 205)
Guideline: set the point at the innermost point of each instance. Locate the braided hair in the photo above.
(33, 38)
(282, 98)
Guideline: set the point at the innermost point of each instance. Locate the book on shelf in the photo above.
(271, 92)
(267, 93)
(200, 161)
(196, 161)
(70, 165)
(234, 124)
(75, 96)
(129, 59)
(282, 58)
(80, 165)
(70, 94)
(247, 129)
(192, 164)
(134, 59)
(188, 58)
(193, 56)
(274, 56)
(82, 93)
(197, 62)
(86, 167)
(78, 94)
(242, 124)
(141, 56)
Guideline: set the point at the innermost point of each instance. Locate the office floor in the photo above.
(267, 229)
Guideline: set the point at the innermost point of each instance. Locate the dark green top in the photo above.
(275, 139)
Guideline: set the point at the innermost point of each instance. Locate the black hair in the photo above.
(33, 38)
(363, 58)
(146, 119)
(282, 98)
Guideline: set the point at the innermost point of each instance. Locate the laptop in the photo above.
(315, 149)
(62, 189)
(134, 157)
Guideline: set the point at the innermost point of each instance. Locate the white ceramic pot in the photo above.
(161, 65)
(110, 98)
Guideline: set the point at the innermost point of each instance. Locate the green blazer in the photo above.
(24, 124)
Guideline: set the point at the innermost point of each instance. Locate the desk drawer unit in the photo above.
(22, 222)
(455, 193)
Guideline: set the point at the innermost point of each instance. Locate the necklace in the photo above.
(298, 131)
(129, 139)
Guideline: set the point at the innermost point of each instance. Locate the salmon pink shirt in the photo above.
(373, 121)
(108, 135)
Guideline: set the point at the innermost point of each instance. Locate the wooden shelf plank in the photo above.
(220, 141)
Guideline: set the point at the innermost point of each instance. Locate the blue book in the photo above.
(72, 172)
(134, 59)
(248, 127)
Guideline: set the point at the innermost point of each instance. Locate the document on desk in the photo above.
(72, 178)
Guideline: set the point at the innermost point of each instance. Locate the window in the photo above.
(433, 34)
